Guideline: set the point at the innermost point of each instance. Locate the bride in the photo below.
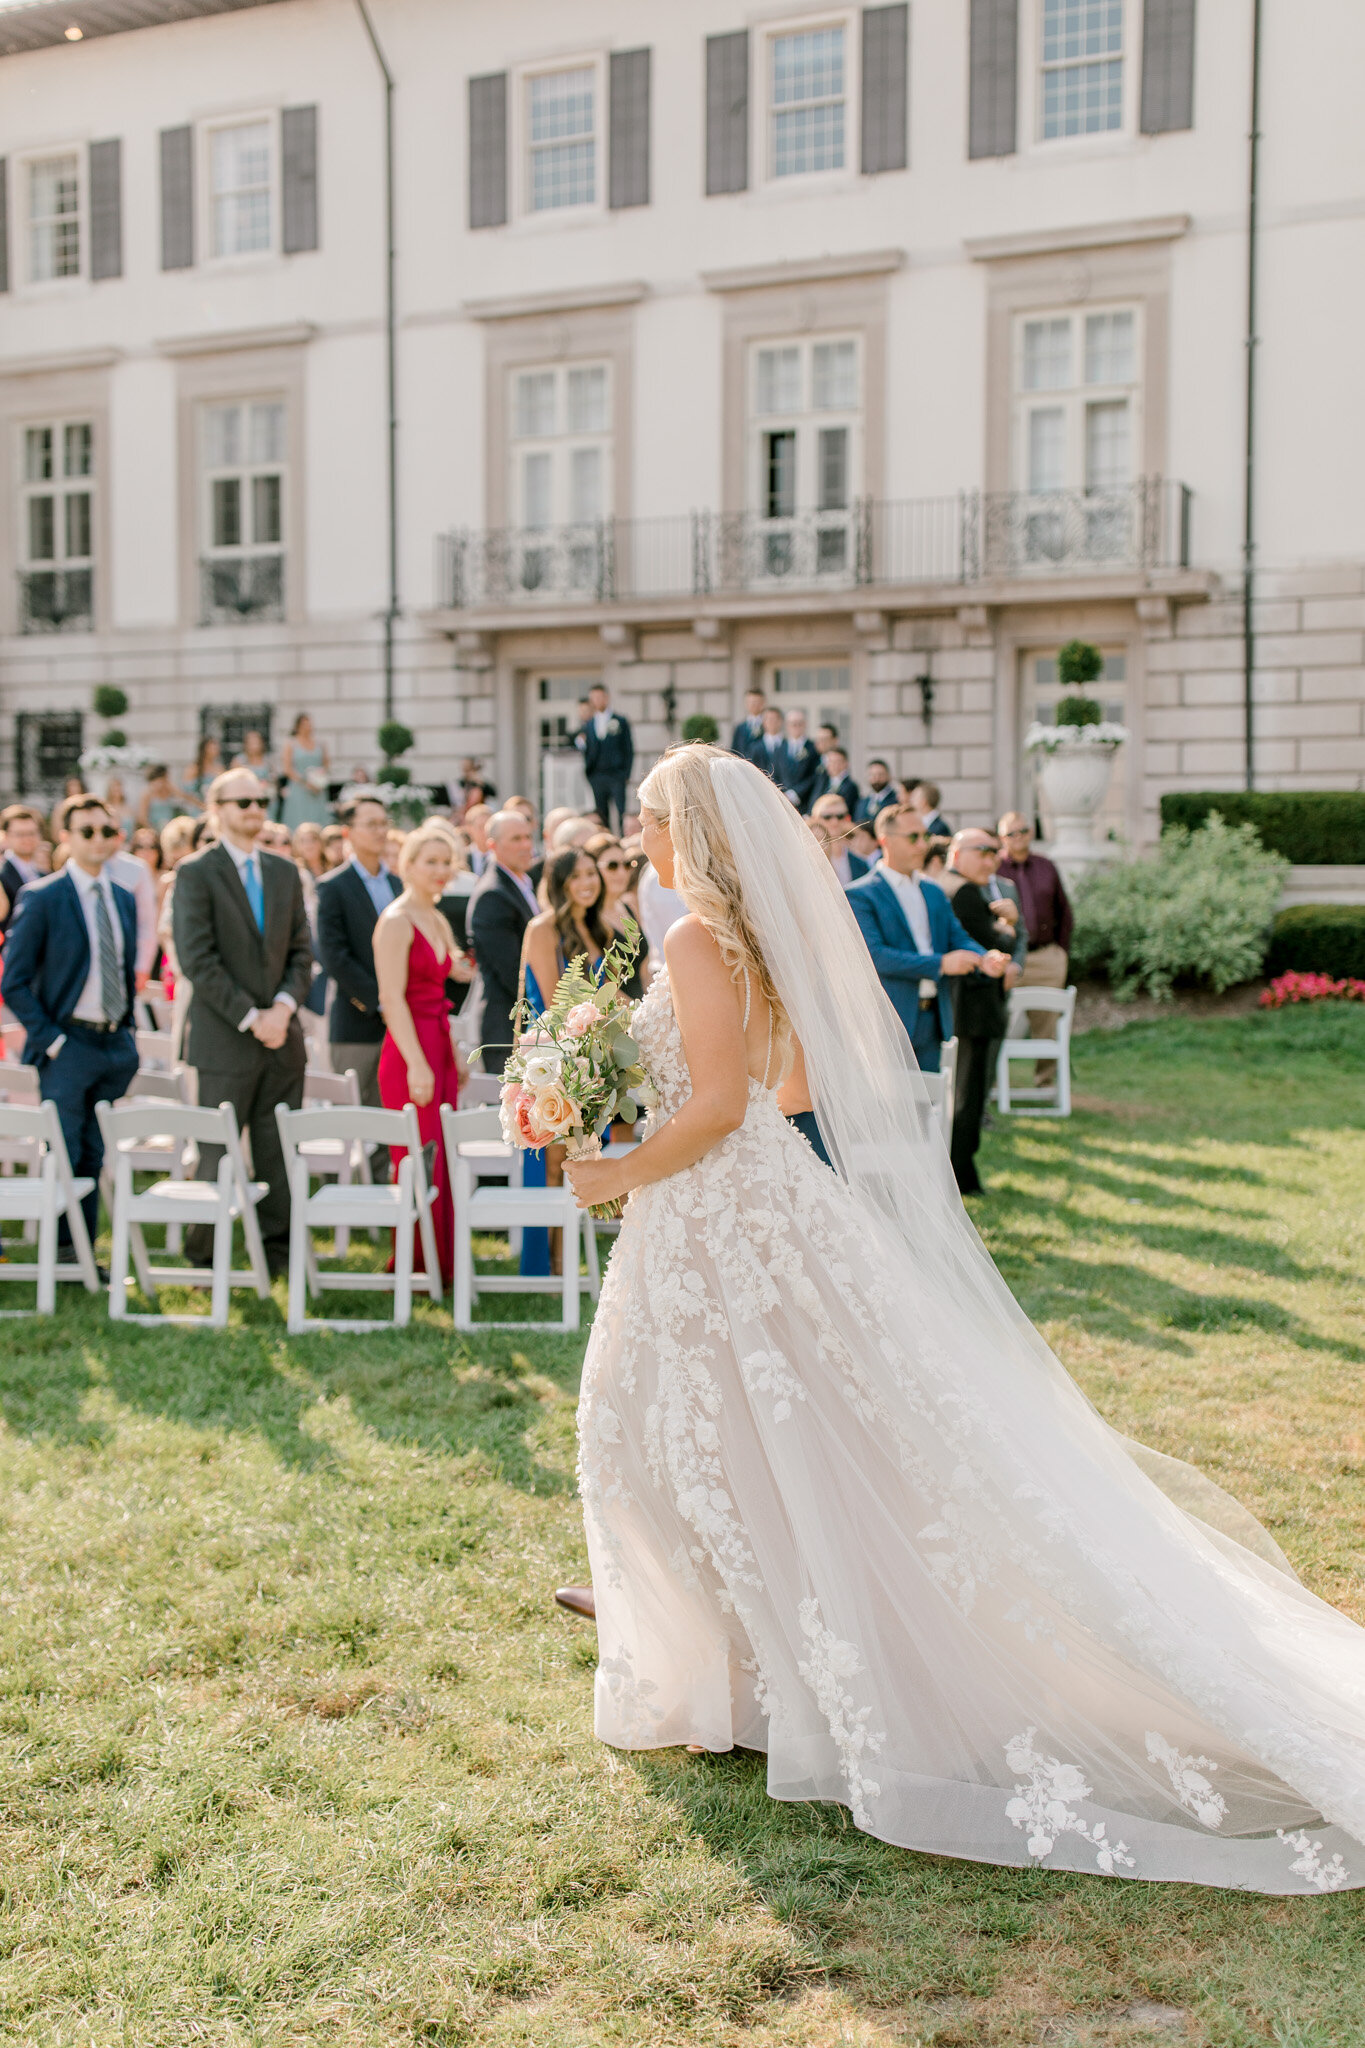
(844, 1505)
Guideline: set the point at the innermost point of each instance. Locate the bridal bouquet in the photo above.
(576, 1068)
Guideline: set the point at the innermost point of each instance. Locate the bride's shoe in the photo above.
(578, 1600)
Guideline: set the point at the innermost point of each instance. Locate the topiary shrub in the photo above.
(1312, 827)
(1079, 711)
(110, 702)
(114, 738)
(1319, 938)
(701, 726)
(1078, 663)
(1197, 910)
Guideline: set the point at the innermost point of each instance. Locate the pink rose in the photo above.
(555, 1113)
(524, 1110)
(582, 1017)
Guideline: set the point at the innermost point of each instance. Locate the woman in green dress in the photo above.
(208, 762)
(161, 800)
(304, 771)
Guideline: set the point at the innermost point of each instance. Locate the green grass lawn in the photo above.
(294, 1748)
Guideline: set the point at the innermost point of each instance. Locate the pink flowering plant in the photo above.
(1310, 988)
(576, 1068)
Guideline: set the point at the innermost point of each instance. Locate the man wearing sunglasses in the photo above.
(70, 959)
(241, 937)
(915, 940)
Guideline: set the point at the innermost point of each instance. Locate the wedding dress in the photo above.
(844, 1505)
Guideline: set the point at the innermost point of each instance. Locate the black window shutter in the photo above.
(886, 51)
(727, 112)
(299, 163)
(177, 198)
(488, 150)
(994, 65)
(1167, 66)
(628, 144)
(4, 224)
(106, 209)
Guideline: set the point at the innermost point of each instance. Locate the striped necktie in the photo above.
(111, 983)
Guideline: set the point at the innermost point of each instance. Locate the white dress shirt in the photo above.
(911, 899)
(524, 889)
(90, 1008)
(242, 860)
(135, 876)
(600, 721)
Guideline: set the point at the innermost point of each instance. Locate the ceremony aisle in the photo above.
(294, 1748)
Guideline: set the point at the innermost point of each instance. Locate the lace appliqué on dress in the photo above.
(1192, 1788)
(1331, 1876)
(1041, 1806)
(826, 1665)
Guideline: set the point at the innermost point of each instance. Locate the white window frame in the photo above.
(59, 487)
(806, 422)
(821, 706)
(765, 175)
(269, 118)
(1031, 87)
(594, 60)
(23, 206)
(246, 471)
(532, 557)
(1075, 398)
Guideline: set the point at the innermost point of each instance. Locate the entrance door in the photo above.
(823, 690)
(1041, 693)
(555, 700)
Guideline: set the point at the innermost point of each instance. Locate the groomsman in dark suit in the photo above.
(608, 755)
(23, 830)
(70, 964)
(499, 911)
(350, 900)
(747, 737)
(803, 763)
(241, 936)
(770, 749)
(834, 778)
(881, 791)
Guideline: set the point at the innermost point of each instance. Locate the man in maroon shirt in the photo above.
(1047, 914)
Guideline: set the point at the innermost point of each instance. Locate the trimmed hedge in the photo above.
(1319, 938)
(1312, 827)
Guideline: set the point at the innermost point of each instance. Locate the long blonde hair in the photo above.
(678, 792)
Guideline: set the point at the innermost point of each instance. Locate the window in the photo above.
(1082, 67)
(241, 163)
(561, 474)
(1076, 398)
(806, 99)
(56, 527)
(243, 511)
(562, 781)
(805, 455)
(54, 218)
(823, 690)
(47, 748)
(561, 130)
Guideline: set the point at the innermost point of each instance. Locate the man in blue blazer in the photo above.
(747, 738)
(913, 936)
(70, 961)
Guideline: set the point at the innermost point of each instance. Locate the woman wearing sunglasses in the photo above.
(618, 872)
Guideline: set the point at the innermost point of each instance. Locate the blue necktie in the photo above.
(255, 895)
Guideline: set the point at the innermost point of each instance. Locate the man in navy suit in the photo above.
(802, 763)
(770, 748)
(23, 830)
(608, 755)
(914, 937)
(834, 778)
(833, 813)
(747, 738)
(70, 961)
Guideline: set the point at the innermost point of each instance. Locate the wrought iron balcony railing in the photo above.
(966, 539)
(56, 600)
(236, 588)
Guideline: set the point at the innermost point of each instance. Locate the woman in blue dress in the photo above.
(571, 926)
(304, 769)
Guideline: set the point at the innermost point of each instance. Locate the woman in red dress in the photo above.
(414, 954)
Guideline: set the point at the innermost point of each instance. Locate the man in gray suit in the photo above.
(241, 937)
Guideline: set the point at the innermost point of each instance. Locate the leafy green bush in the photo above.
(701, 726)
(1078, 663)
(1314, 827)
(1197, 909)
(1319, 938)
(395, 738)
(109, 701)
(1079, 711)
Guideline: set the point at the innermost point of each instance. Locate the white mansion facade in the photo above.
(868, 352)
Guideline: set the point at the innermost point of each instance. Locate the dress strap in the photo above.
(768, 1055)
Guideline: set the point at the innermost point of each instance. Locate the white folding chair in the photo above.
(402, 1206)
(481, 1091)
(493, 1159)
(221, 1203)
(154, 1051)
(152, 1010)
(940, 1087)
(41, 1197)
(479, 1207)
(174, 1157)
(1053, 1101)
(21, 1085)
(333, 1158)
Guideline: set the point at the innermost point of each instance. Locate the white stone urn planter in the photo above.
(1074, 766)
(99, 765)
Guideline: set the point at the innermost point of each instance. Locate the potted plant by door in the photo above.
(1076, 757)
(114, 756)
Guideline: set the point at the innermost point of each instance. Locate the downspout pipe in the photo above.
(1252, 345)
(391, 612)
